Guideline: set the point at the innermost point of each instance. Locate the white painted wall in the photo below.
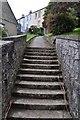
(30, 20)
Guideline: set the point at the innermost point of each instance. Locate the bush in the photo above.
(40, 33)
(63, 23)
(34, 30)
(3, 32)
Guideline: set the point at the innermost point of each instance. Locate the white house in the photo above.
(33, 18)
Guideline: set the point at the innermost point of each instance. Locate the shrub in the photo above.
(3, 32)
(34, 30)
(63, 23)
(40, 33)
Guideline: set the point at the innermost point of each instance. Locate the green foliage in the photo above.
(49, 22)
(3, 32)
(40, 33)
(48, 9)
(76, 32)
(68, 12)
(30, 36)
(49, 34)
(63, 23)
(34, 30)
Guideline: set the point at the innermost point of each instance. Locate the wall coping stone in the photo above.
(11, 38)
(70, 38)
(3, 43)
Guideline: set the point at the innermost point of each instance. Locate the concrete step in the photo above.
(39, 71)
(40, 66)
(40, 53)
(41, 57)
(47, 78)
(38, 93)
(34, 61)
(21, 114)
(41, 48)
(39, 104)
(39, 85)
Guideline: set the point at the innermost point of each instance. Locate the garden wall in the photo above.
(68, 50)
(11, 49)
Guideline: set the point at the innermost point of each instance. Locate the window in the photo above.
(39, 14)
(30, 16)
(35, 15)
(27, 18)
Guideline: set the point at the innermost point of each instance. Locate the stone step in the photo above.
(40, 53)
(34, 61)
(41, 48)
(39, 71)
(39, 85)
(21, 114)
(38, 93)
(40, 66)
(47, 78)
(39, 104)
(41, 57)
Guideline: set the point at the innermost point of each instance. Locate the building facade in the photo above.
(33, 18)
(7, 18)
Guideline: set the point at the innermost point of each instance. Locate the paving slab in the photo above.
(40, 41)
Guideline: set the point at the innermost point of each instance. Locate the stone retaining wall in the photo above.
(68, 50)
(12, 51)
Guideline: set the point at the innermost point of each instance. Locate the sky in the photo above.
(20, 7)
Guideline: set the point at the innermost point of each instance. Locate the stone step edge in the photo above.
(43, 114)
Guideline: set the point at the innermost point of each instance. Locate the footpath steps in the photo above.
(39, 91)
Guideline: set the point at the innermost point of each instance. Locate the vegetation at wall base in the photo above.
(3, 32)
(75, 32)
(30, 36)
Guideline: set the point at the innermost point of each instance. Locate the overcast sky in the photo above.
(20, 7)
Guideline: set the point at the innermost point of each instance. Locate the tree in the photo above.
(62, 23)
(49, 22)
(68, 8)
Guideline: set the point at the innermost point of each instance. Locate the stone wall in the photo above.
(10, 27)
(68, 50)
(12, 52)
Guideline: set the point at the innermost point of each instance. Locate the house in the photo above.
(33, 18)
(7, 18)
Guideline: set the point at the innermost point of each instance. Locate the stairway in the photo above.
(39, 89)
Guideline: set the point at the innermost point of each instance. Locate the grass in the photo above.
(49, 34)
(75, 32)
(30, 36)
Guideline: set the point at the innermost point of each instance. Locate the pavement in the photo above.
(40, 41)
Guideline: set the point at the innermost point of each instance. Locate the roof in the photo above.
(33, 12)
(38, 10)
